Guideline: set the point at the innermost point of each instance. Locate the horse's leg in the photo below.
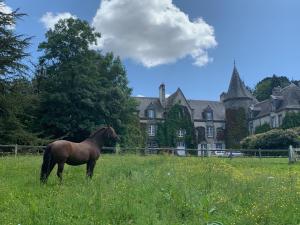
(52, 164)
(90, 168)
(60, 168)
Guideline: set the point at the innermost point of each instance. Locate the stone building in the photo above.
(209, 117)
(273, 110)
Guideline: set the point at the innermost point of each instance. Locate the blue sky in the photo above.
(262, 36)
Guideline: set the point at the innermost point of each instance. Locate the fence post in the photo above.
(291, 155)
(16, 150)
(259, 152)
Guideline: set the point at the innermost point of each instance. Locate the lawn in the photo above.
(152, 190)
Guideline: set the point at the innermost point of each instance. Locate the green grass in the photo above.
(152, 190)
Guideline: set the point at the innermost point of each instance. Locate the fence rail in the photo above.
(290, 153)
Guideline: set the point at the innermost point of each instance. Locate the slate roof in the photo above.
(237, 88)
(287, 98)
(144, 102)
(198, 106)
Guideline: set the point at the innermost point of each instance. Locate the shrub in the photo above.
(262, 129)
(274, 139)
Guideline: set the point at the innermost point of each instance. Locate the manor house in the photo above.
(209, 116)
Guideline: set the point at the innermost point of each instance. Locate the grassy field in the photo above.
(152, 190)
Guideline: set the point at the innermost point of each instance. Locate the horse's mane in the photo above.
(97, 131)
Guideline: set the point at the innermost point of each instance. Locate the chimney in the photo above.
(276, 91)
(162, 95)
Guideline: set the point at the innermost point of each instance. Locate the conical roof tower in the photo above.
(237, 95)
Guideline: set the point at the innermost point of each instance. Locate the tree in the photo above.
(291, 120)
(12, 45)
(264, 88)
(16, 93)
(80, 89)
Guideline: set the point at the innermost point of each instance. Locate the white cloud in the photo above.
(6, 9)
(50, 19)
(140, 96)
(168, 95)
(152, 32)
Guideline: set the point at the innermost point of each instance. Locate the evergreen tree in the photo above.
(16, 93)
(12, 45)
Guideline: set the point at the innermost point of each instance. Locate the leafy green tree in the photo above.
(291, 120)
(80, 89)
(263, 128)
(263, 89)
(135, 134)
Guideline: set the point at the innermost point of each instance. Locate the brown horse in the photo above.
(85, 152)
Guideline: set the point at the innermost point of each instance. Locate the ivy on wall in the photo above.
(236, 127)
(178, 117)
(291, 120)
(220, 134)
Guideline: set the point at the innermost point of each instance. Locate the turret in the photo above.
(237, 96)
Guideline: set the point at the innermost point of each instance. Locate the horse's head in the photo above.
(105, 136)
(111, 134)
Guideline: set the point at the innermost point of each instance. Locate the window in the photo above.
(280, 119)
(219, 146)
(203, 146)
(150, 113)
(151, 130)
(209, 116)
(210, 131)
(251, 128)
(273, 121)
(181, 133)
(180, 144)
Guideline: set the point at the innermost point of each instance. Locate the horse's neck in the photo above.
(96, 142)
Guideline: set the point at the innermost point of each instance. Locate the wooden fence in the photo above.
(290, 153)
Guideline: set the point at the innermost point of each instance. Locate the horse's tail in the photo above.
(46, 164)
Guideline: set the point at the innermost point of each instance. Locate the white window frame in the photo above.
(181, 132)
(210, 131)
(273, 122)
(280, 119)
(219, 145)
(204, 146)
(151, 130)
(180, 144)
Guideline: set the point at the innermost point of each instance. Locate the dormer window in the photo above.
(209, 116)
(151, 113)
(207, 113)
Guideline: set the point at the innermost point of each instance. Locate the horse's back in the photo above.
(61, 149)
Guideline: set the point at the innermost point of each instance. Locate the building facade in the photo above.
(209, 117)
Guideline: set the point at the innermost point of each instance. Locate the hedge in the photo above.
(274, 139)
